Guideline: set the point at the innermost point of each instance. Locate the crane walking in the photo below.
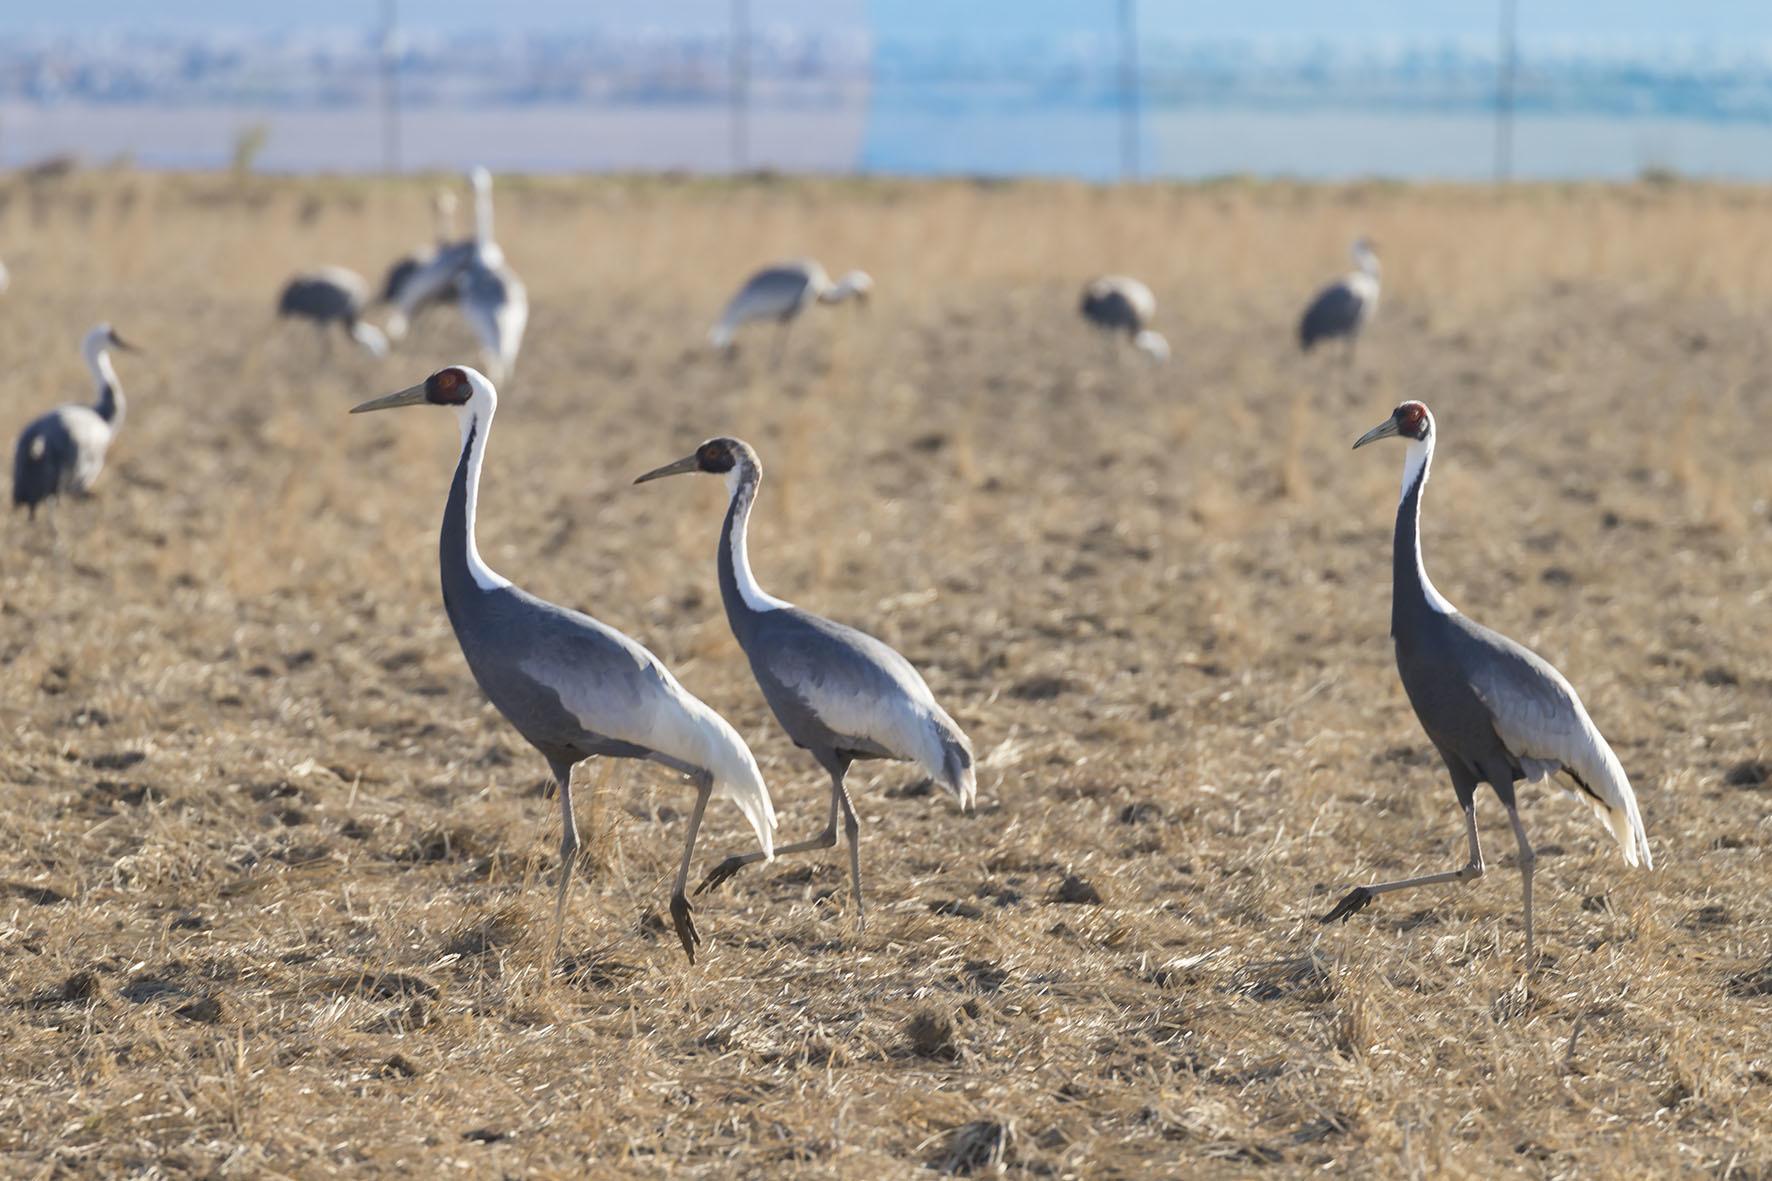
(333, 295)
(572, 686)
(839, 693)
(780, 293)
(64, 450)
(1121, 304)
(489, 293)
(1343, 309)
(1497, 712)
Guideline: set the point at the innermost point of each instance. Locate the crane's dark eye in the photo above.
(716, 458)
(448, 387)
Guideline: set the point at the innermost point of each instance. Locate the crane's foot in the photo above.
(1357, 900)
(685, 924)
(721, 873)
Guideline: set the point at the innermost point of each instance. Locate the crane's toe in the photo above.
(719, 875)
(685, 924)
(1357, 900)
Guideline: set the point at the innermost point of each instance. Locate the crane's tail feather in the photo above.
(957, 771)
(1606, 789)
(752, 798)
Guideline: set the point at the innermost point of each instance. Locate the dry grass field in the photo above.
(275, 880)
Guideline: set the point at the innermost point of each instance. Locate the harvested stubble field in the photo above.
(274, 878)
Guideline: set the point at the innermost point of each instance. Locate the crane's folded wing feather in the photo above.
(1540, 719)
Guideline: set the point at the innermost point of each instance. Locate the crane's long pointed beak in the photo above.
(1383, 430)
(410, 396)
(688, 463)
(117, 342)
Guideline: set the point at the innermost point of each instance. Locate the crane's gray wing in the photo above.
(1540, 719)
(869, 698)
(43, 462)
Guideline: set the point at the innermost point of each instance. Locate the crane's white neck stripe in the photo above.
(1415, 470)
(474, 427)
(755, 597)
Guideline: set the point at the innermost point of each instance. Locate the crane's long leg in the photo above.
(852, 830)
(718, 876)
(1528, 859)
(568, 853)
(1361, 896)
(680, 912)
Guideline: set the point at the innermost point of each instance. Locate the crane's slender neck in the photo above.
(744, 599)
(464, 573)
(109, 404)
(1411, 591)
(483, 212)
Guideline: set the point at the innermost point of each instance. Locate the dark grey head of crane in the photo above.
(1410, 420)
(732, 458)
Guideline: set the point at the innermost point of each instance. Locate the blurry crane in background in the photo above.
(491, 297)
(1495, 711)
(572, 686)
(64, 450)
(839, 693)
(1342, 309)
(1120, 304)
(333, 295)
(443, 212)
(780, 293)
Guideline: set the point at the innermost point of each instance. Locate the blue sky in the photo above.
(982, 20)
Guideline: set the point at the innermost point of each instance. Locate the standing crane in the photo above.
(443, 217)
(64, 450)
(1496, 712)
(489, 293)
(333, 295)
(839, 693)
(780, 293)
(573, 687)
(1342, 309)
(1121, 304)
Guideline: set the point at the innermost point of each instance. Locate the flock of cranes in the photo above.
(576, 688)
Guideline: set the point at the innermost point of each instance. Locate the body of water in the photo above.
(899, 138)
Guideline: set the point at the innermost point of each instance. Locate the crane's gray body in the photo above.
(61, 451)
(521, 649)
(1337, 311)
(1117, 303)
(327, 295)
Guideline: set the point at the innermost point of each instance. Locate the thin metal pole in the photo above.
(1504, 96)
(741, 84)
(390, 87)
(1129, 89)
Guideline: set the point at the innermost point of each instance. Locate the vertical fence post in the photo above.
(390, 87)
(1129, 95)
(1504, 97)
(741, 84)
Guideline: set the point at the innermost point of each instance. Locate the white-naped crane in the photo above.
(1496, 712)
(1342, 310)
(64, 450)
(780, 293)
(1120, 304)
(839, 693)
(443, 205)
(572, 686)
(333, 295)
(492, 299)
